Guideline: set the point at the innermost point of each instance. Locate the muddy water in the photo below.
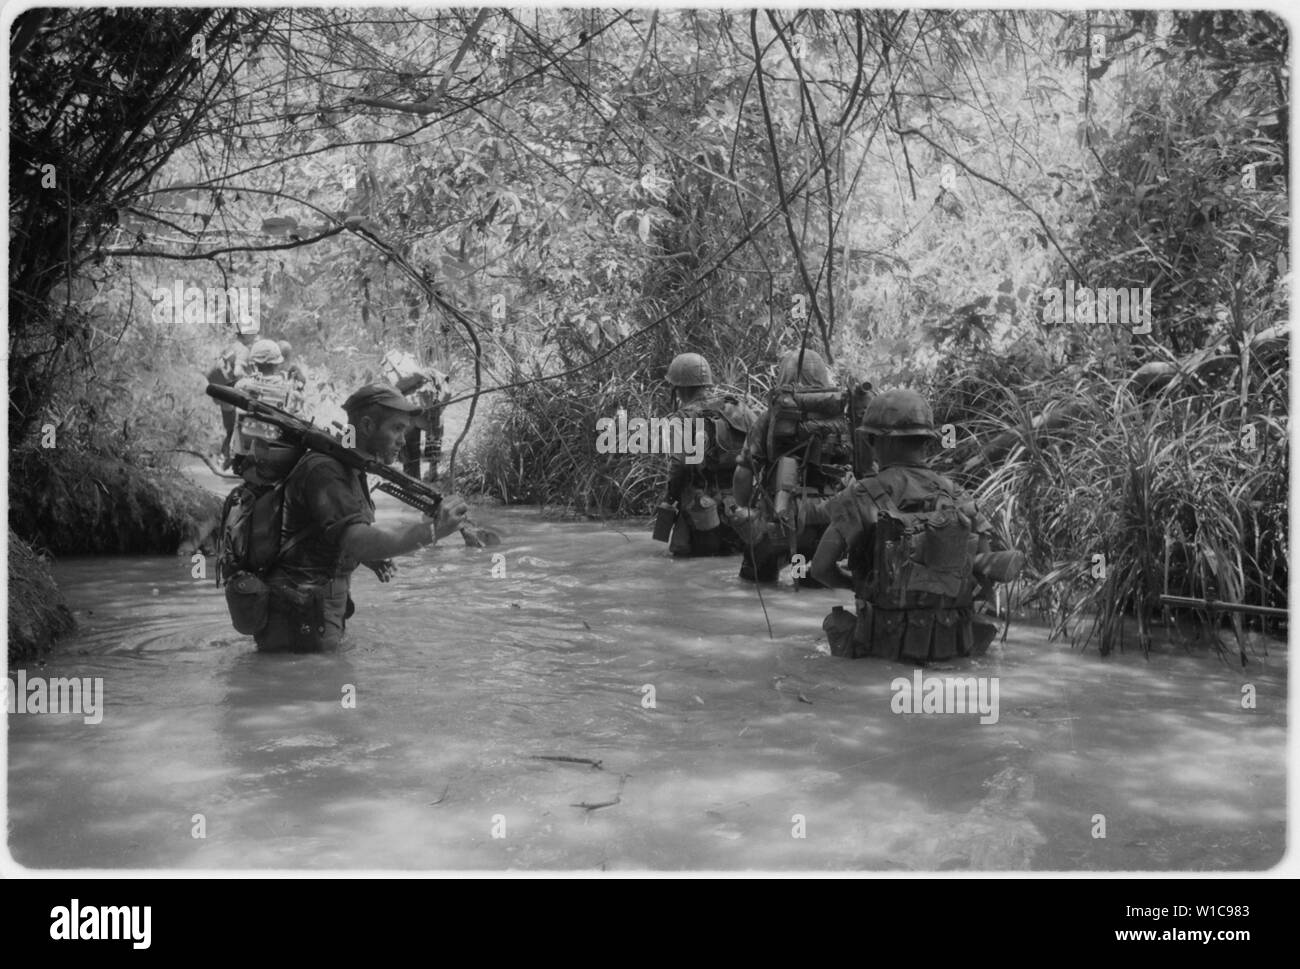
(464, 682)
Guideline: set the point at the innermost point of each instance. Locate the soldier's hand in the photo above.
(452, 515)
(384, 570)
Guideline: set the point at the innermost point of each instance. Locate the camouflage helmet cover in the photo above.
(898, 413)
(265, 351)
(814, 370)
(690, 370)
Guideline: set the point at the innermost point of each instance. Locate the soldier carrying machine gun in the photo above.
(294, 532)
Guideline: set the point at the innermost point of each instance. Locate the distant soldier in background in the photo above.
(699, 500)
(292, 369)
(231, 367)
(269, 383)
(428, 389)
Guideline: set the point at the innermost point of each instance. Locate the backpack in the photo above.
(275, 389)
(249, 545)
(921, 555)
(810, 419)
(725, 428)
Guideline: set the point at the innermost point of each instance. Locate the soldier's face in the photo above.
(384, 438)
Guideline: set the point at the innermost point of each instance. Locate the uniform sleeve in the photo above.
(755, 450)
(236, 360)
(844, 516)
(330, 499)
(980, 524)
(678, 472)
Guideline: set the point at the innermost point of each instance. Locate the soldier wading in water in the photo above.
(910, 535)
(328, 528)
(699, 495)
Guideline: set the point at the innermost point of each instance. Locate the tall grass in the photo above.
(1119, 492)
(539, 447)
(538, 443)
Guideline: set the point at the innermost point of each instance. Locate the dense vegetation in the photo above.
(556, 202)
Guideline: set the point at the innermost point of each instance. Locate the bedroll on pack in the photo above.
(922, 555)
(801, 416)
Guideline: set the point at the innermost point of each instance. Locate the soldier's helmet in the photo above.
(899, 413)
(265, 351)
(689, 370)
(813, 371)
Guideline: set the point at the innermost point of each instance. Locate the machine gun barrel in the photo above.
(299, 433)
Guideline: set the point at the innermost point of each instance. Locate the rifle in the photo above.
(858, 396)
(1218, 606)
(296, 432)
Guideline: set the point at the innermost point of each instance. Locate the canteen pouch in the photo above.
(785, 483)
(839, 626)
(787, 475)
(704, 514)
(664, 518)
(248, 602)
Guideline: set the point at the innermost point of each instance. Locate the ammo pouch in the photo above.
(914, 635)
(697, 530)
(305, 606)
(248, 602)
(839, 626)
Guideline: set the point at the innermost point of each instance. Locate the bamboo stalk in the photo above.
(1214, 606)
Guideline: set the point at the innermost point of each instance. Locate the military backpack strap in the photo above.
(311, 531)
(866, 558)
(880, 495)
